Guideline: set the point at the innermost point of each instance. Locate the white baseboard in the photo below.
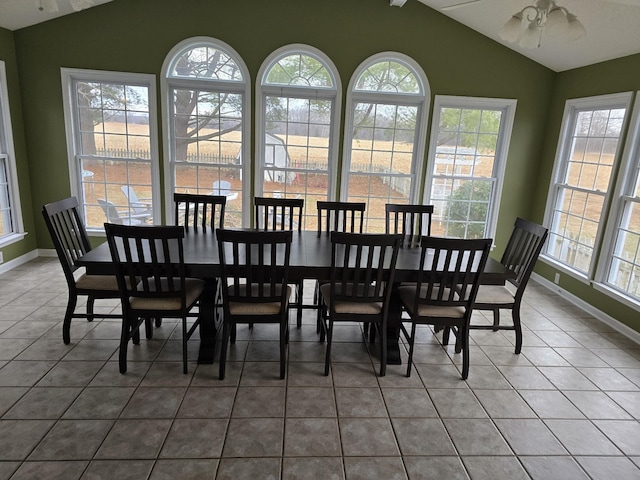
(16, 262)
(590, 309)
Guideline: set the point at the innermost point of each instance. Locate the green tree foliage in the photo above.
(472, 128)
(467, 208)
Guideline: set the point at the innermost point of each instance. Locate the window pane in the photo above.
(113, 151)
(624, 272)
(206, 62)
(582, 186)
(299, 70)
(463, 173)
(5, 204)
(389, 76)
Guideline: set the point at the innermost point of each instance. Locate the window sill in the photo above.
(617, 295)
(11, 238)
(575, 274)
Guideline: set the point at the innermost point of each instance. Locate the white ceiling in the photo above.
(15, 14)
(613, 26)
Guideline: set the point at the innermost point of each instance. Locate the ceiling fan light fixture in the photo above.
(543, 16)
(510, 32)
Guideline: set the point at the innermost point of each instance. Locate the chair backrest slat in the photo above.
(340, 216)
(255, 265)
(411, 221)
(278, 213)
(450, 271)
(67, 232)
(362, 267)
(196, 211)
(149, 261)
(523, 249)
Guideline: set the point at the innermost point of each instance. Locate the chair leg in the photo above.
(299, 300)
(125, 335)
(463, 332)
(148, 328)
(327, 358)
(383, 348)
(515, 312)
(496, 319)
(90, 303)
(68, 315)
(445, 335)
(185, 339)
(283, 348)
(158, 322)
(411, 341)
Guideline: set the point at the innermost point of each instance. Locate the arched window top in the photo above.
(299, 68)
(389, 75)
(205, 60)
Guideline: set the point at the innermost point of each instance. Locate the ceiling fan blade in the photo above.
(469, 2)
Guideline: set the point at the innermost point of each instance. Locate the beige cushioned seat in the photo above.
(407, 295)
(193, 287)
(362, 308)
(248, 308)
(494, 294)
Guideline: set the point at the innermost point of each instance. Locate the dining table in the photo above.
(310, 259)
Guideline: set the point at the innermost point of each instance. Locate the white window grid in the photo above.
(581, 186)
(215, 163)
(452, 167)
(297, 151)
(105, 173)
(389, 171)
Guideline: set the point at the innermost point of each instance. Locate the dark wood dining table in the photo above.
(310, 260)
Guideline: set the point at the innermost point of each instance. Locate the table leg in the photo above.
(210, 320)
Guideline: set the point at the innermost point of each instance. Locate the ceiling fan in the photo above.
(465, 3)
(51, 6)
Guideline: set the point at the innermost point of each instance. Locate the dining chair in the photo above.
(141, 207)
(71, 242)
(444, 294)
(339, 217)
(519, 257)
(199, 211)
(282, 214)
(362, 271)
(411, 221)
(255, 274)
(149, 265)
(124, 217)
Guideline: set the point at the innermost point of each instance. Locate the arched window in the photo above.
(206, 95)
(298, 113)
(385, 131)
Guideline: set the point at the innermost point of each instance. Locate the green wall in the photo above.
(8, 56)
(620, 75)
(136, 35)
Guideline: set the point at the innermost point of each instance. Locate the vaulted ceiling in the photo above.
(613, 26)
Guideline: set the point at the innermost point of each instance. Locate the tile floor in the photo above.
(566, 408)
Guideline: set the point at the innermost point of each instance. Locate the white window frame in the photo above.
(8, 157)
(420, 100)
(508, 108)
(244, 88)
(334, 95)
(620, 197)
(69, 77)
(572, 108)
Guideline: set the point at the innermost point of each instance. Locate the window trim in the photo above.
(6, 134)
(508, 107)
(69, 76)
(572, 106)
(629, 161)
(167, 82)
(334, 94)
(423, 105)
